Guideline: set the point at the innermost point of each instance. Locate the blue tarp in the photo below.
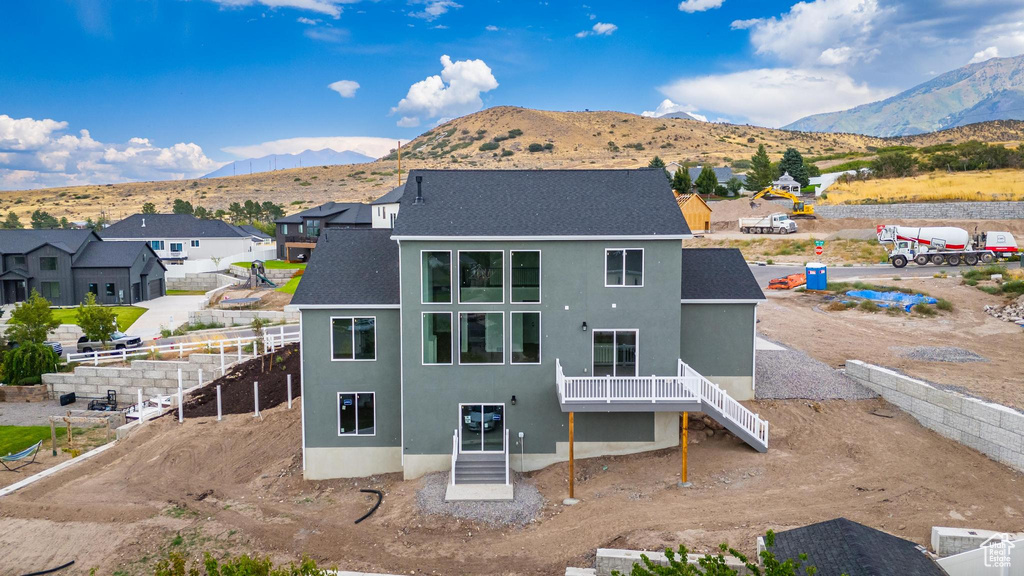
(886, 299)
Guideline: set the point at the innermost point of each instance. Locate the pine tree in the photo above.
(707, 182)
(793, 163)
(656, 162)
(12, 222)
(149, 208)
(761, 174)
(681, 182)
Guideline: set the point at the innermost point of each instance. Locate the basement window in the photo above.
(357, 414)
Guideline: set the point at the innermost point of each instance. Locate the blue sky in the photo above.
(174, 88)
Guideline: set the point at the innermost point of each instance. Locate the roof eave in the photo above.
(634, 237)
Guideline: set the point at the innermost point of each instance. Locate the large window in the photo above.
(353, 339)
(156, 244)
(48, 263)
(50, 290)
(94, 289)
(175, 246)
(111, 290)
(437, 337)
(481, 338)
(357, 414)
(525, 276)
(312, 228)
(436, 277)
(615, 352)
(480, 277)
(525, 337)
(624, 267)
(19, 260)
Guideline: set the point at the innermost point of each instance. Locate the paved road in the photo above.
(765, 273)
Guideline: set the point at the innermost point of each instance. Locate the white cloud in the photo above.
(368, 145)
(346, 88)
(326, 34)
(455, 92)
(669, 107)
(434, 9)
(599, 29)
(692, 6)
(773, 96)
(330, 8)
(491, 28)
(408, 122)
(309, 21)
(986, 54)
(37, 153)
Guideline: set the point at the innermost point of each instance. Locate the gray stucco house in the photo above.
(501, 302)
(65, 265)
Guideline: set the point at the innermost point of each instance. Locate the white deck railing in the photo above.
(271, 341)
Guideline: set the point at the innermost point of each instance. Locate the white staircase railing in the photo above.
(711, 394)
(455, 452)
(506, 456)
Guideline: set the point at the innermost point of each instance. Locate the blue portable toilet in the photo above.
(817, 276)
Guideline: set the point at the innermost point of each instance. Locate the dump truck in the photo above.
(944, 245)
(778, 223)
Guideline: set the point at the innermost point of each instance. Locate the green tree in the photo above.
(681, 182)
(28, 362)
(707, 182)
(656, 162)
(64, 222)
(893, 165)
(182, 207)
(237, 213)
(43, 220)
(710, 565)
(149, 208)
(258, 327)
(202, 212)
(12, 222)
(98, 322)
(734, 185)
(793, 163)
(761, 173)
(31, 321)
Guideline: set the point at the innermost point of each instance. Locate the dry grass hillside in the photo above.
(1005, 185)
(577, 140)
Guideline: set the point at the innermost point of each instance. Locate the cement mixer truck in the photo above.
(944, 245)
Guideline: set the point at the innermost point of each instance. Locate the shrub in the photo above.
(924, 309)
(174, 565)
(548, 146)
(868, 306)
(515, 133)
(1014, 287)
(505, 153)
(28, 362)
(535, 147)
(488, 146)
(836, 306)
(944, 305)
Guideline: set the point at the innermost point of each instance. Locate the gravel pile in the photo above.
(524, 507)
(938, 354)
(793, 374)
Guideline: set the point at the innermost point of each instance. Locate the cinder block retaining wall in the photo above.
(928, 211)
(276, 275)
(609, 559)
(992, 429)
(65, 333)
(239, 317)
(204, 282)
(155, 377)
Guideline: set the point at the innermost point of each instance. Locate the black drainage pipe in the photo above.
(380, 498)
(51, 570)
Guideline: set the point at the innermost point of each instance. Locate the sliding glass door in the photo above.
(615, 352)
(481, 428)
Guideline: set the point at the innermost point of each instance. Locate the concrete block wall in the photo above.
(992, 429)
(609, 559)
(154, 377)
(65, 333)
(204, 282)
(927, 211)
(239, 317)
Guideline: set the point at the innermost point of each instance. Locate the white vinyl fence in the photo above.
(209, 265)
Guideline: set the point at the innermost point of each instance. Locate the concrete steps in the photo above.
(480, 469)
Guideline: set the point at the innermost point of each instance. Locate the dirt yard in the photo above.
(801, 320)
(237, 486)
(269, 299)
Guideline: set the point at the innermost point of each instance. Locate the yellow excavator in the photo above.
(800, 209)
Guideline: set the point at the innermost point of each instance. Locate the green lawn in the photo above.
(126, 315)
(17, 438)
(290, 286)
(185, 292)
(275, 265)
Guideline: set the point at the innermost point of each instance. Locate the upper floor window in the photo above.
(525, 276)
(19, 260)
(48, 263)
(525, 337)
(436, 277)
(194, 243)
(353, 338)
(156, 244)
(481, 276)
(624, 267)
(284, 228)
(312, 228)
(481, 338)
(437, 338)
(175, 246)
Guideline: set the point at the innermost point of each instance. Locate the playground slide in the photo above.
(266, 280)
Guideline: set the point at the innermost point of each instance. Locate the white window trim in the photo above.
(504, 426)
(643, 262)
(193, 243)
(451, 278)
(423, 323)
(180, 243)
(540, 279)
(504, 348)
(459, 276)
(353, 319)
(593, 336)
(337, 404)
(540, 330)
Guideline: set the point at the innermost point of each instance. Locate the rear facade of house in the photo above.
(502, 302)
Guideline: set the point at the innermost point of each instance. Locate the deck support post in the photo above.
(684, 442)
(572, 471)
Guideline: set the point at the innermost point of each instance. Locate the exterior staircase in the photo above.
(480, 469)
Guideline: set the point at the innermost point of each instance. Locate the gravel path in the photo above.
(938, 354)
(794, 374)
(34, 413)
(520, 511)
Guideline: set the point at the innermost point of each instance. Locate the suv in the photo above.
(118, 341)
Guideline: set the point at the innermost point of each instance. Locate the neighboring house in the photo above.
(65, 265)
(696, 212)
(722, 173)
(842, 546)
(258, 236)
(297, 234)
(177, 238)
(385, 208)
(787, 183)
(506, 300)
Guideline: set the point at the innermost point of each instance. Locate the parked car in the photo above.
(118, 341)
(57, 347)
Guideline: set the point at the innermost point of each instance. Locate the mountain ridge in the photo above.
(271, 162)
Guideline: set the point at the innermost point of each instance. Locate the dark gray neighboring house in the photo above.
(297, 234)
(65, 265)
(502, 302)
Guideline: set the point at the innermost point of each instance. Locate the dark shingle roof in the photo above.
(722, 174)
(540, 203)
(842, 546)
(171, 226)
(391, 197)
(114, 254)
(323, 212)
(254, 231)
(351, 266)
(717, 274)
(24, 241)
(356, 215)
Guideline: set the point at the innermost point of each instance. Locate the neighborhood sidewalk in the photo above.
(164, 312)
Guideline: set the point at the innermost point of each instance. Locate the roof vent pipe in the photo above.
(143, 222)
(419, 190)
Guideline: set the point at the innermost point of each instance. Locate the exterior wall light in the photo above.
(584, 325)
(513, 399)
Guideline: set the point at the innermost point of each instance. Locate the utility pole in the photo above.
(399, 162)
